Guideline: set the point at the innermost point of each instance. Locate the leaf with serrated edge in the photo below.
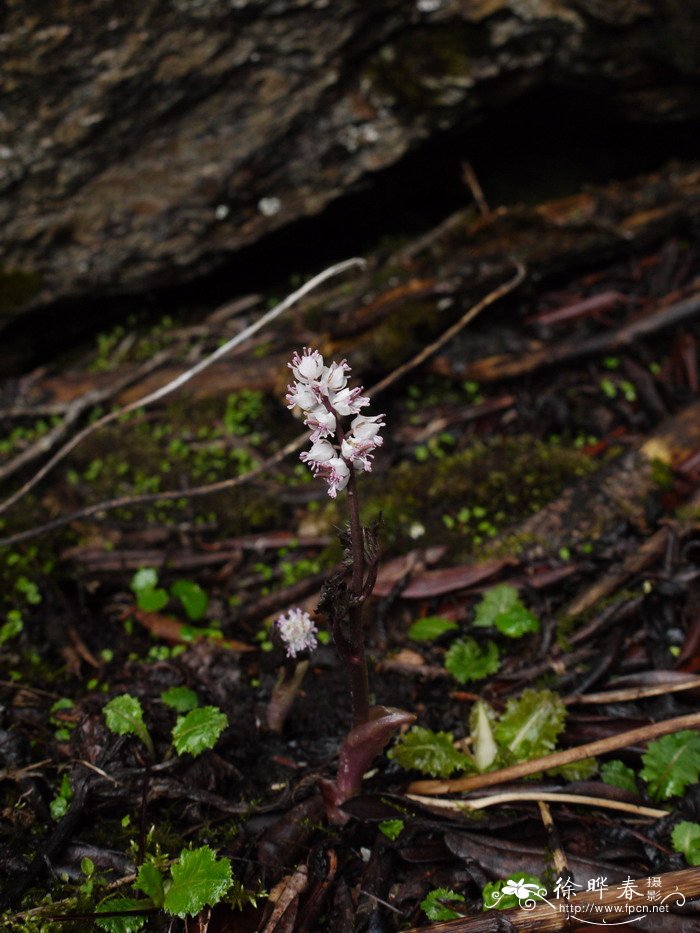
(530, 724)
(150, 881)
(198, 879)
(686, 839)
(618, 774)
(124, 716)
(198, 730)
(502, 608)
(433, 907)
(120, 924)
(181, 699)
(467, 661)
(671, 764)
(430, 753)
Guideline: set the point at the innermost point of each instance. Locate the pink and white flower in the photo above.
(348, 401)
(320, 453)
(308, 366)
(336, 473)
(322, 393)
(298, 632)
(321, 422)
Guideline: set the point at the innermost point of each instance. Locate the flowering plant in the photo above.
(337, 452)
(322, 393)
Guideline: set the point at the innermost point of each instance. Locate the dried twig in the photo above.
(516, 796)
(630, 694)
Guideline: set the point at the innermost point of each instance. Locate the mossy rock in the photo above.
(466, 498)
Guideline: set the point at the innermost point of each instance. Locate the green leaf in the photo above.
(150, 881)
(506, 901)
(392, 829)
(503, 609)
(58, 807)
(198, 730)
(466, 661)
(686, 839)
(198, 878)
(144, 579)
(430, 628)
(671, 764)
(530, 725)
(433, 905)
(152, 600)
(120, 924)
(581, 770)
(430, 753)
(124, 716)
(143, 584)
(12, 627)
(181, 699)
(483, 742)
(192, 597)
(618, 774)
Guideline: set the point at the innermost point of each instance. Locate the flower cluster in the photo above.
(323, 395)
(297, 631)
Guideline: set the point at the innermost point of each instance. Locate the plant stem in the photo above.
(357, 663)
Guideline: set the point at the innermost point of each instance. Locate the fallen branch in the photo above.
(558, 759)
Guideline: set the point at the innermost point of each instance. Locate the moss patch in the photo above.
(466, 498)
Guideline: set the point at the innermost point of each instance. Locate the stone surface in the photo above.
(140, 146)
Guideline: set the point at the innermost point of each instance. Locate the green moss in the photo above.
(662, 474)
(466, 498)
(17, 287)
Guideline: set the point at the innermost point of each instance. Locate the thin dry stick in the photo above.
(516, 796)
(568, 914)
(180, 380)
(558, 854)
(472, 182)
(452, 331)
(123, 501)
(632, 693)
(557, 759)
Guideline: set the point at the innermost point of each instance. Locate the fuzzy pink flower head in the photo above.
(323, 394)
(298, 632)
(308, 366)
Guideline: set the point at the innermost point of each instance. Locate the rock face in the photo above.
(141, 144)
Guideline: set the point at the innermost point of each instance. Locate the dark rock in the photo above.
(140, 149)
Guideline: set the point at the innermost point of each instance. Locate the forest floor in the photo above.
(539, 593)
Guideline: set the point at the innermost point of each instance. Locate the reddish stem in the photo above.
(357, 663)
